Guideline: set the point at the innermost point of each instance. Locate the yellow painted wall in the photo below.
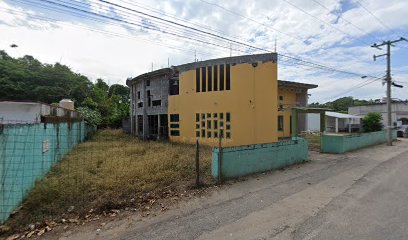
(289, 100)
(252, 102)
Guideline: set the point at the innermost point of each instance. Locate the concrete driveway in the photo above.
(358, 195)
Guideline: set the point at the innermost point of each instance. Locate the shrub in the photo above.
(372, 122)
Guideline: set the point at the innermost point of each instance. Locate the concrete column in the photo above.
(159, 127)
(337, 125)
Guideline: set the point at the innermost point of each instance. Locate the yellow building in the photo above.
(237, 99)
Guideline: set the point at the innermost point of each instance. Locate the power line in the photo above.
(326, 23)
(252, 20)
(245, 17)
(298, 60)
(345, 20)
(107, 33)
(376, 18)
(357, 86)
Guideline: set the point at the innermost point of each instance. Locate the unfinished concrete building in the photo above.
(236, 99)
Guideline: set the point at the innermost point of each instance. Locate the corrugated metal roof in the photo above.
(341, 115)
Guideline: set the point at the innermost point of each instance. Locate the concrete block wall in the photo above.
(245, 160)
(27, 153)
(346, 143)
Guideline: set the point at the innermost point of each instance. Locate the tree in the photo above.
(27, 78)
(372, 122)
(90, 116)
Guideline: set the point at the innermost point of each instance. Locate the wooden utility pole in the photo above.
(388, 80)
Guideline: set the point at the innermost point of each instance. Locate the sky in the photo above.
(118, 39)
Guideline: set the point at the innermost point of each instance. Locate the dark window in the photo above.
(174, 125)
(147, 82)
(228, 127)
(216, 78)
(197, 117)
(215, 134)
(197, 126)
(174, 118)
(228, 135)
(215, 124)
(221, 133)
(174, 87)
(202, 116)
(198, 134)
(209, 78)
(280, 123)
(209, 134)
(228, 78)
(156, 103)
(215, 115)
(197, 80)
(228, 117)
(221, 115)
(221, 77)
(203, 124)
(138, 94)
(209, 124)
(281, 98)
(203, 79)
(221, 124)
(174, 133)
(149, 100)
(203, 133)
(140, 104)
(208, 115)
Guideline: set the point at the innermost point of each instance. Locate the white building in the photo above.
(335, 122)
(25, 112)
(398, 111)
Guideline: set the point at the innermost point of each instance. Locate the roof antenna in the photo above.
(275, 44)
(168, 62)
(195, 55)
(230, 49)
(152, 66)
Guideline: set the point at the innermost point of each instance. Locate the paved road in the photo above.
(359, 195)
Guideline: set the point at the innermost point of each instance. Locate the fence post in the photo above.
(197, 161)
(219, 160)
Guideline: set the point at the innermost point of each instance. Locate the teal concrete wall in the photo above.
(244, 160)
(23, 158)
(346, 143)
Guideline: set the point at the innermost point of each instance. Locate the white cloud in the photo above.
(130, 51)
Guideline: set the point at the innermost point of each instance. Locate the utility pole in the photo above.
(388, 80)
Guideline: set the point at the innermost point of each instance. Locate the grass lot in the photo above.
(111, 171)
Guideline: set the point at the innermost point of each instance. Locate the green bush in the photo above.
(372, 122)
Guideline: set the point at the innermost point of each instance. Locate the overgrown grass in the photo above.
(313, 140)
(110, 171)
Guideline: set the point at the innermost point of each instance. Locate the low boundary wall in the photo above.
(27, 153)
(244, 160)
(345, 143)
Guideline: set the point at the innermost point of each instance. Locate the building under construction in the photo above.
(237, 99)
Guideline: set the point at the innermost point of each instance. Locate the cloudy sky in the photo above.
(117, 39)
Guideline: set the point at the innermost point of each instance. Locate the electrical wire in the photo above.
(345, 20)
(326, 23)
(298, 60)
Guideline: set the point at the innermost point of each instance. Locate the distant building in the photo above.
(238, 99)
(27, 112)
(399, 111)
